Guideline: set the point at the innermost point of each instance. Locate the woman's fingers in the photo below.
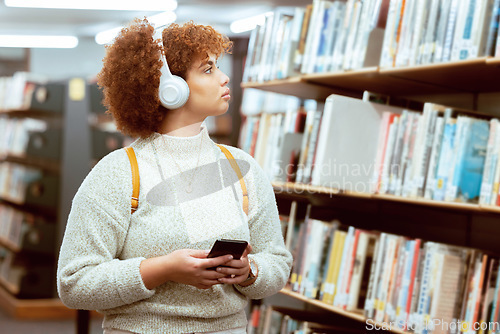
(217, 261)
(247, 251)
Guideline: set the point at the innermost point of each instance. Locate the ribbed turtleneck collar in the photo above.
(184, 148)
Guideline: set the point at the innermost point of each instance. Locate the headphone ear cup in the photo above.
(173, 92)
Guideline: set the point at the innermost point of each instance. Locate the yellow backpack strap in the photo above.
(135, 178)
(236, 168)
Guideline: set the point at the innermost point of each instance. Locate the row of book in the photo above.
(328, 36)
(10, 273)
(417, 286)
(15, 134)
(16, 180)
(356, 145)
(433, 31)
(437, 156)
(266, 319)
(273, 138)
(17, 91)
(11, 225)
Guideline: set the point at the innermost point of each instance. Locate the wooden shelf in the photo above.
(298, 87)
(372, 79)
(493, 61)
(34, 308)
(34, 113)
(352, 315)
(50, 165)
(473, 75)
(467, 76)
(309, 190)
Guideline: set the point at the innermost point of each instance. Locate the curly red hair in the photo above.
(130, 75)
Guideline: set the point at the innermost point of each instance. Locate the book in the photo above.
(361, 271)
(344, 159)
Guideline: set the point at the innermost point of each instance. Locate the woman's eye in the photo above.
(209, 70)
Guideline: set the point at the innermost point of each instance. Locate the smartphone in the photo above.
(226, 247)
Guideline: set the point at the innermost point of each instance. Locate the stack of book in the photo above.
(15, 133)
(277, 137)
(16, 92)
(354, 145)
(425, 287)
(435, 156)
(328, 36)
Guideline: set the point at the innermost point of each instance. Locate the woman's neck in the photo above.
(179, 124)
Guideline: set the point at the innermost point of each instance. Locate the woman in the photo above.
(148, 271)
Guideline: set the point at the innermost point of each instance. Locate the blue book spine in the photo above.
(464, 53)
(473, 161)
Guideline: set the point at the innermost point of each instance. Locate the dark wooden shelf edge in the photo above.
(31, 113)
(43, 309)
(337, 310)
(293, 189)
(326, 83)
(50, 165)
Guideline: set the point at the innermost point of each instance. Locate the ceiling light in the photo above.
(162, 19)
(37, 41)
(107, 36)
(248, 23)
(143, 5)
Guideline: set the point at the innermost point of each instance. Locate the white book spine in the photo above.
(311, 34)
(442, 22)
(496, 178)
(418, 148)
(322, 141)
(407, 25)
(417, 31)
(436, 146)
(341, 280)
(458, 39)
(450, 30)
(351, 38)
(489, 167)
(391, 139)
(387, 55)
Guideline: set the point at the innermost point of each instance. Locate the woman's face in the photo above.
(209, 94)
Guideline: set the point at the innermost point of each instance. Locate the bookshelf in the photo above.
(462, 83)
(453, 223)
(29, 292)
(467, 76)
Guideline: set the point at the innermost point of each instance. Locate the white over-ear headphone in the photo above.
(173, 91)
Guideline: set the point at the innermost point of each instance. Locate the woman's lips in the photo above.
(226, 95)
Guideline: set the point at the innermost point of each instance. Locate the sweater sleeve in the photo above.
(274, 261)
(90, 274)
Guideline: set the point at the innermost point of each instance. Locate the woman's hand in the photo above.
(236, 271)
(186, 266)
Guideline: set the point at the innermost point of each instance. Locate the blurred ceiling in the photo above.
(86, 23)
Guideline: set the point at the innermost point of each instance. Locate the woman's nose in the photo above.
(225, 79)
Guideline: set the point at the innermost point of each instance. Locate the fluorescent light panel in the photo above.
(142, 5)
(38, 41)
(157, 20)
(248, 23)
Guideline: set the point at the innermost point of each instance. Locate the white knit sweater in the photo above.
(104, 243)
